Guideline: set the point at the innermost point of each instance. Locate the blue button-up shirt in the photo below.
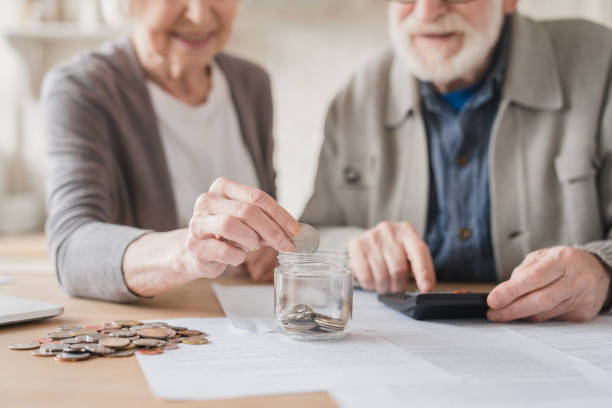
(459, 221)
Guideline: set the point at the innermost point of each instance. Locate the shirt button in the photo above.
(462, 160)
(465, 234)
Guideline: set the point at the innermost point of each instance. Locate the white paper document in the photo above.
(389, 359)
(249, 308)
(236, 364)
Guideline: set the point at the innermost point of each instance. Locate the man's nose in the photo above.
(429, 11)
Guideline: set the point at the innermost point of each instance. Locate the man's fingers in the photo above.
(360, 266)
(253, 216)
(396, 261)
(534, 277)
(561, 309)
(419, 256)
(378, 266)
(253, 196)
(533, 303)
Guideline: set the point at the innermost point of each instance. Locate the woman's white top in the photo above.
(201, 143)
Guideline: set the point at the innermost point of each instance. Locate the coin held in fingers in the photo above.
(307, 241)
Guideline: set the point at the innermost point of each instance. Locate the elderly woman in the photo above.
(137, 131)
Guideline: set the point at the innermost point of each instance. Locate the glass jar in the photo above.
(313, 295)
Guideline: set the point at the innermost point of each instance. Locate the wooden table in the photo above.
(27, 381)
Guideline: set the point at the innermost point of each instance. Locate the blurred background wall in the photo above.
(309, 47)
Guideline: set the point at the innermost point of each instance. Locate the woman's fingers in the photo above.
(240, 192)
(251, 215)
(213, 251)
(227, 227)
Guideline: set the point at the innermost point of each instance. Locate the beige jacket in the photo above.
(550, 151)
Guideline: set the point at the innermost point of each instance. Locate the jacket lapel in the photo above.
(407, 142)
(532, 83)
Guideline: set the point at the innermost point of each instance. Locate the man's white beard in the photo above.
(435, 66)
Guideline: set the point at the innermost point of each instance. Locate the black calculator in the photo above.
(438, 305)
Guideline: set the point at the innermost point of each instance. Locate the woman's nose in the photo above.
(197, 11)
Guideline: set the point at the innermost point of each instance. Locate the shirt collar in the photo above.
(491, 83)
(532, 78)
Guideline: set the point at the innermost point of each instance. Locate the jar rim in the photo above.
(320, 256)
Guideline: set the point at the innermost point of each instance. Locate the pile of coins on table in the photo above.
(120, 338)
(302, 319)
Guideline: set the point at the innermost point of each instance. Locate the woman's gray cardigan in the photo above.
(109, 181)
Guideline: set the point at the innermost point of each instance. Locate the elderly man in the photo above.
(479, 148)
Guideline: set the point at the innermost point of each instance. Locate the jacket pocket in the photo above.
(353, 182)
(581, 214)
(572, 168)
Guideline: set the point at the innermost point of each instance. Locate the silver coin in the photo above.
(93, 337)
(307, 241)
(98, 349)
(115, 342)
(30, 345)
(72, 356)
(143, 326)
(178, 328)
(41, 353)
(299, 324)
(301, 308)
(121, 353)
(71, 340)
(149, 343)
(74, 348)
(69, 328)
(170, 346)
(122, 333)
(157, 324)
(329, 324)
(59, 335)
(52, 347)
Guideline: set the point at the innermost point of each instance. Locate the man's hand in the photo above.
(384, 257)
(261, 263)
(557, 283)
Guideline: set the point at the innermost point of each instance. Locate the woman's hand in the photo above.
(259, 265)
(230, 221)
